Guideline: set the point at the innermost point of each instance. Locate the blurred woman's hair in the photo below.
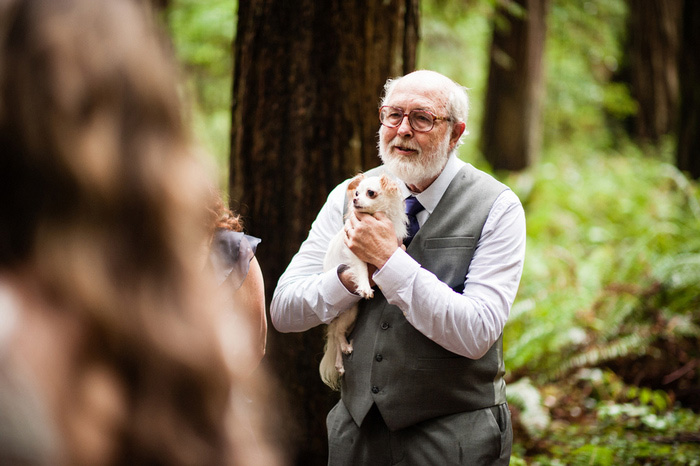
(101, 199)
(219, 215)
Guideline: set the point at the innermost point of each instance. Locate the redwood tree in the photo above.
(511, 130)
(652, 49)
(688, 158)
(307, 80)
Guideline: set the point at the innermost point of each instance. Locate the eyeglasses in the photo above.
(420, 120)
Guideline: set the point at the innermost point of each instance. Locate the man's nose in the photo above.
(405, 126)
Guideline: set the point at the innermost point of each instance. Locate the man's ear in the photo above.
(457, 131)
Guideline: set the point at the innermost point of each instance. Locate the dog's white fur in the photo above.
(368, 195)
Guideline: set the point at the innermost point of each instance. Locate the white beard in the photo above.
(420, 167)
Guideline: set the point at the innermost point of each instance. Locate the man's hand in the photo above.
(371, 238)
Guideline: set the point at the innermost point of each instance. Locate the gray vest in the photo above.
(410, 377)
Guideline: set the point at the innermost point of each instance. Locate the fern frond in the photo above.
(638, 343)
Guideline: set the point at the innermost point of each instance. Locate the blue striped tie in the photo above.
(412, 208)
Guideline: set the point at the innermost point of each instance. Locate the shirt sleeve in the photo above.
(469, 323)
(305, 295)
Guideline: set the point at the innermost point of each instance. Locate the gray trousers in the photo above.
(481, 437)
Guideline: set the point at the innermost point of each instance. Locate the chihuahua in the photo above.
(368, 195)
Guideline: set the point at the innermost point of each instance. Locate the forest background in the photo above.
(602, 347)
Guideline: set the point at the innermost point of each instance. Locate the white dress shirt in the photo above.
(467, 324)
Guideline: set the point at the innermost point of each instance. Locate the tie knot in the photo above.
(413, 206)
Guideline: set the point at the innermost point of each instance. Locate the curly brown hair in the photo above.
(220, 216)
(101, 196)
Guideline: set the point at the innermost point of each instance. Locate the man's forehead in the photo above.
(419, 93)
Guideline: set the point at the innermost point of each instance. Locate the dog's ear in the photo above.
(355, 182)
(388, 185)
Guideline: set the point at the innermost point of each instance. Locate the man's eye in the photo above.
(423, 117)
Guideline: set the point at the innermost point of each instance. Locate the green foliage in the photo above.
(592, 454)
(597, 419)
(203, 35)
(583, 52)
(612, 268)
(611, 238)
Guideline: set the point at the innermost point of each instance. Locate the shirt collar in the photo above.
(433, 193)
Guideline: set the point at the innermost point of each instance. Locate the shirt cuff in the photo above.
(396, 272)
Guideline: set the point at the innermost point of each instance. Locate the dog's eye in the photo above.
(371, 194)
(357, 193)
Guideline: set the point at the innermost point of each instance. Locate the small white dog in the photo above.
(368, 195)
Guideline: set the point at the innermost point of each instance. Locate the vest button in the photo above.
(379, 357)
(375, 389)
(385, 325)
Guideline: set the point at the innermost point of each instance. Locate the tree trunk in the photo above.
(511, 131)
(307, 80)
(688, 158)
(653, 65)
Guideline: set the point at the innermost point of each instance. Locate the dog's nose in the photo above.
(355, 201)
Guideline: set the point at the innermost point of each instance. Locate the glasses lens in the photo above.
(420, 120)
(391, 116)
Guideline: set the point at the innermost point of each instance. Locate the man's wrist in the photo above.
(395, 270)
(380, 262)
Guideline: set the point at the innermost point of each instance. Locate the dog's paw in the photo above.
(346, 348)
(340, 369)
(366, 293)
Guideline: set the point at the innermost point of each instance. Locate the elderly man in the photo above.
(424, 384)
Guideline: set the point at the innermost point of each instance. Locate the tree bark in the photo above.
(688, 156)
(307, 81)
(511, 131)
(653, 65)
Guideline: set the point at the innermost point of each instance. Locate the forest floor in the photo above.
(632, 410)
